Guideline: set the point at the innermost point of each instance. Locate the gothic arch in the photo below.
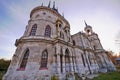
(33, 30)
(44, 59)
(74, 43)
(67, 56)
(47, 31)
(61, 35)
(24, 59)
(67, 60)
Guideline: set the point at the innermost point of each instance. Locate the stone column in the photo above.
(64, 71)
(71, 65)
(55, 64)
(58, 63)
(75, 64)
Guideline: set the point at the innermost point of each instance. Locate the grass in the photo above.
(105, 76)
(108, 76)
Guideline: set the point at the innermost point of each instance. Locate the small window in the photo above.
(73, 42)
(47, 31)
(60, 25)
(65, 31)
(44, 13)
(94, 47)
(61, 35)
(33, 30)
(88, 31)
(68, 31)
(37, 16)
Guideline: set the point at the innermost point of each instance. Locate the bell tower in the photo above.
(88, 29)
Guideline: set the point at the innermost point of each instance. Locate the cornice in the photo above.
(49, 41)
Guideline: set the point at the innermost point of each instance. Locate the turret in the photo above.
(93, 37)
(88, 29)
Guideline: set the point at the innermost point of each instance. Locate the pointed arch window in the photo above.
(73, 42)
(94, 47)
(67, 60)
(67, 57)
(33, 30)
(47, 31)
(61, 35)
(44, 59)
(24, 60)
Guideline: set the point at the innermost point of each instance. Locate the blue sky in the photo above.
(102, 15)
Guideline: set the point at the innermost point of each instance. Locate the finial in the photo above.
(49, 4)
(57, 9)
(63, 14)
(54, 5)
(85, 23)
(42, 4)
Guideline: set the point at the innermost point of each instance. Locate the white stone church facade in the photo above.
(48, 49)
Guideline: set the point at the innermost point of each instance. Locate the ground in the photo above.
(105, 76)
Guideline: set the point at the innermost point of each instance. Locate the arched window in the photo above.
(94, 47)
(33, 30)
(60, 25)
(67, 57)
(44, 59)
(24, 60)
(83, 59)
(73, 42)
(61, 35)
(67, 60)
(47, 31)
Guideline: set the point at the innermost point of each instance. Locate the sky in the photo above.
(102, 15)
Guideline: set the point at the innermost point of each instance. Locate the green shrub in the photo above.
(108, 76)
(54, 77)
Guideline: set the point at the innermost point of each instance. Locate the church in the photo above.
(47, 49)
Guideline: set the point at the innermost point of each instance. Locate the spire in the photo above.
(63, 14)
(54, 5)
(49, 4)
(57, 9)
(42, 4)
(85, 23)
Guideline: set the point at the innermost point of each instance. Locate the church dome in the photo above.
(88, 27)
(49, 9)
(43, 8)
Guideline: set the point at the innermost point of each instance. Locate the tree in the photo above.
(112, 56)
(4, 64)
